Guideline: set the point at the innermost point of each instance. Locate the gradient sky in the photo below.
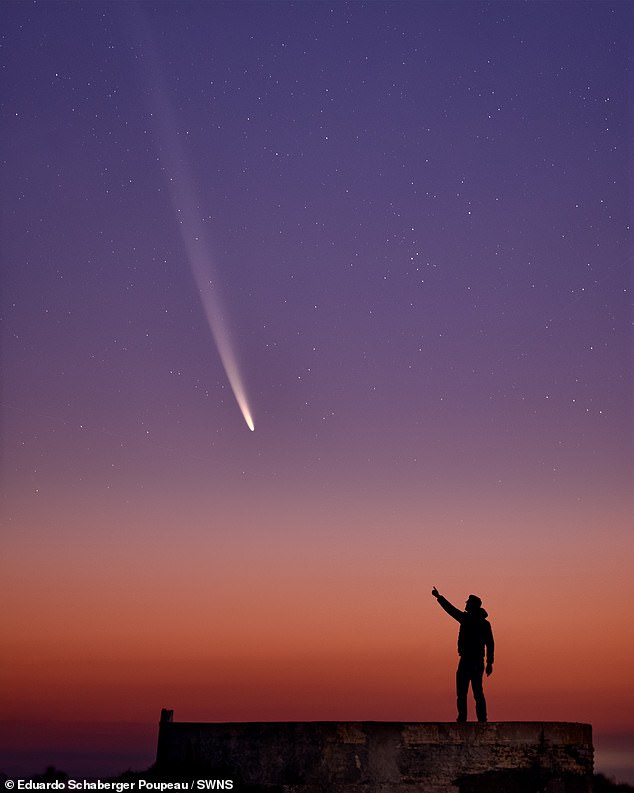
(409, 223)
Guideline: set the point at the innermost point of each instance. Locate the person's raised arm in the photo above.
(447, 606)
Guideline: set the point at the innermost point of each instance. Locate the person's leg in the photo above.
(477, 671)
(462, 687)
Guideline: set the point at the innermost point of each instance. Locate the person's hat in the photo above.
(474, 600)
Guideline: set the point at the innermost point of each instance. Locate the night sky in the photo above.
(403, 229)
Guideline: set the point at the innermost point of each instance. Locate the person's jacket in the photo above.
(475, 633)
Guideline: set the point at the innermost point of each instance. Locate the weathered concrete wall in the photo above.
(381, 757)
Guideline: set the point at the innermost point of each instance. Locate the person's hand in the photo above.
(489, 669)
(435, 592)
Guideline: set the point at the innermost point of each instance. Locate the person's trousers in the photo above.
(470, 672)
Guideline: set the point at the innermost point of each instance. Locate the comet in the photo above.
(182, 191)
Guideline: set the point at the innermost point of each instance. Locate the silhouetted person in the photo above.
(475, 636)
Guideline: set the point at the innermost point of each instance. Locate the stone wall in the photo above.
(381, 757)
